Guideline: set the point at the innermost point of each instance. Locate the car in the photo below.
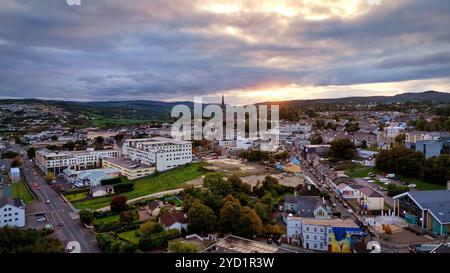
(345, 205)
(411, 185)
(350, 211)
(61, 224)
(387, 183)
(334, 205)
(370, 181)
(280, 208)
(390, 175)
(47, 202)
(367, 178)
(383, 180)
(42, 219)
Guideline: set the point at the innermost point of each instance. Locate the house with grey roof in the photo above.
(306, 206)
(429, 210)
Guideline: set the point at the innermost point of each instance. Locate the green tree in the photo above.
(31, 152)
(150, 227)
(437, 170)
(229, 214)
(249, 224)
(342, 148)
(316, 140)
(263, 211)
(201, 219)
(216, 184)
(86, 216)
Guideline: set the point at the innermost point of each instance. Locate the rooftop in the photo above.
(235, 244)
(126, 163)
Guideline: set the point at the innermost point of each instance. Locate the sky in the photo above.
(250, 50)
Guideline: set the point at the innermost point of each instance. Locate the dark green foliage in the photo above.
(123, 187)
(13, 240)
(342, 149)
(112, 181)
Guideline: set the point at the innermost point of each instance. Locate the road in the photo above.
(58, 210)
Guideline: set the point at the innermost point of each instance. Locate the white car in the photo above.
(367, 178)
(390, 175)
(411, 185)
(370, 181)
(42, 219)
(47, 202)
(350, 211)
(384, 180)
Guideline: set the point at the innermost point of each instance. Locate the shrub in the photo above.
(123, 187)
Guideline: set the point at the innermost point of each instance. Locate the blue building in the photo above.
(429, 210)
(431, 147)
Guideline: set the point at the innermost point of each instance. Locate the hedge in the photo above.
(123, 187)
(112, 181)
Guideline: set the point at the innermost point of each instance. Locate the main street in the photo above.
(57, 211)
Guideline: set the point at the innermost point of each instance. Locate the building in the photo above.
(414, 136)
(12, 212)
(14, 174)
(90, 178)
(129, 168)
(306, 206)
(174, 220)
(57, 161)
(163, 153)
(227, 143)
(429, 210)
(320, 150)
(431, 147)
(91, 135)
(332, 235)
(235, 244)
(369, 199)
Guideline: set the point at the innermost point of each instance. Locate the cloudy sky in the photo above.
(251, 50)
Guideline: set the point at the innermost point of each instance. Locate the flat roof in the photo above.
(330, 222)
(235, 244)
(126, 163)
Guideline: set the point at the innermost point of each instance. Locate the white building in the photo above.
(14, 174)
(316, 234)
(89, 178)
(163, 153)
(12, 212)
(57, 161)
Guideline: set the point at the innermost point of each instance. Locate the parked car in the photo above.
(42, 219)
(370, 181)
(383, 180)
(411, 185)
(350, 211)
(367, 178)
(390, 175)
(47, 202)
(61, 224)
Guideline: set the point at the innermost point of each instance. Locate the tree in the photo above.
(150, 227)
(316, 140)
(274, 230)
(70, 146)
(31, 152)
(351, 127)
(229, 214)
(49, 177)
(17, 162)
(14, 240)
(343, 148)
(118, 203)
(437, 169)
(400, 139)
(86, 216)
(216, 184)
(128, 216)
(201, 219)
(237, 185)
(263, 211)
(401, 160)
(249, 223)
(180, 247)
(364, 144)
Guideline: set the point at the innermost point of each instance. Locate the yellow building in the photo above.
(129, 168)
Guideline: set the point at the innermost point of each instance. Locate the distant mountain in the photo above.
(435, 96)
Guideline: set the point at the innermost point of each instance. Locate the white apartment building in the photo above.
(57, 161)
(163, 153)
(317, 234)
(12, 212)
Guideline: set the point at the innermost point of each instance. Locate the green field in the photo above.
(19, 190)
(129, 236)
(164, 181)
(76, 196)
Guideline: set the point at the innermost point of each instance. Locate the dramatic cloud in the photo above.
(170, 50)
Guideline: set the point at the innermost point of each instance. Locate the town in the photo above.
(345, 177)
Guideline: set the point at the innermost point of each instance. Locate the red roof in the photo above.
(171, 217)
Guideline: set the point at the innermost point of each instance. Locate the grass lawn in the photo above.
(129, 236)
(164, 181)
(108, 219)
(19, 190)
(76, 196)
(423, 186)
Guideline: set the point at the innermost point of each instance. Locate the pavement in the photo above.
(57, 210)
